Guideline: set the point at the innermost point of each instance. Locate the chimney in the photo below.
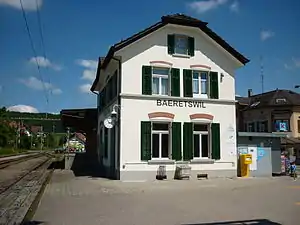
(249, 93)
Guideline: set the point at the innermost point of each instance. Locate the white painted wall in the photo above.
(136, 110)
(154, 47)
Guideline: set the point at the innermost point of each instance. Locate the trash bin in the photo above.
(182, 172)
(161, 173)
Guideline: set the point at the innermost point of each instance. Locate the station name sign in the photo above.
(180, 103)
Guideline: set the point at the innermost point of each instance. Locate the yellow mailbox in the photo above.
(245, 161)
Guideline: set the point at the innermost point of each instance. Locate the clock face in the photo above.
(108, 123)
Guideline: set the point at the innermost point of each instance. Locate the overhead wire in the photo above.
(34, 51)
(43, 45)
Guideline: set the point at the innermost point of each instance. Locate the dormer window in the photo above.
(179, 44)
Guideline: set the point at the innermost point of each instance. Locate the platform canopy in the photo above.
(81, 120)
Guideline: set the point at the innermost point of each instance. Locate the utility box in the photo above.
(246, 158)
(245, 161)
(182, 172)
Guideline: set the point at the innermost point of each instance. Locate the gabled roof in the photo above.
(177, 19)
(273, 99)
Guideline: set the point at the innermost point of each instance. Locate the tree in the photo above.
(7, 132)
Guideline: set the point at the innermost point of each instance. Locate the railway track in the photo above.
(8, 162)
(18, 193)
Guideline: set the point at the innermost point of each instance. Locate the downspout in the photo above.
(119, 119)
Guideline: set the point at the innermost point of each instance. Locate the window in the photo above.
(281, 125)
(161, 140)
(250, 127)
(200, 83)
(181, 44)
(201, 141)
(280, 100)
(160, 81)
(262, 126)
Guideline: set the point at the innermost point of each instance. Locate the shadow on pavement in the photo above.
(241, 222)
(33, 223)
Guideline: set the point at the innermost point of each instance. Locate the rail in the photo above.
(17, 195)
(8, 162)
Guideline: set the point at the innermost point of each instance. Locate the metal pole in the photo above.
(68, 137)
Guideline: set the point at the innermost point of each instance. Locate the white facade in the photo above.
(134, 107)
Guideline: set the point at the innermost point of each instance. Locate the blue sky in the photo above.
(77, 32)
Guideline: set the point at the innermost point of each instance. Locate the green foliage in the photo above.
(7, 133)
(25, 142)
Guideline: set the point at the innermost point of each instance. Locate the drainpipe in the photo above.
(119, 119)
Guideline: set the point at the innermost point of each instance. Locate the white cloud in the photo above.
(85, 88)
(36, 84)
(203, 6)
(235, 6)
(87, 63)
(22, 108)
(43, 62)
(266, 34)
(89, 75)
(29, 5)
(295, 63)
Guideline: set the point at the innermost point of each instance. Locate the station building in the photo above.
(166, 97)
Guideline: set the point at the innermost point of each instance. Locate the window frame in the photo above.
(160, 77)
(186, 37)
(200, 94)
(160, 132)
(200, 133)
(282, 120)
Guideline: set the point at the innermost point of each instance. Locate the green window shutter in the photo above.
(175, 82)
(188, 83)
(176, 141)
(146, 80)
(214, 85)
(191, 46)
(104, 97)
(188, 141)
(215, 141)
(145, 140)
(171, 44)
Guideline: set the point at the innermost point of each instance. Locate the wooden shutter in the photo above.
(171, 44)
(175, 82)
(146, 80)
(191, 46)
(215, 141)
(145, 140)
(188, 83)
(104, 102)
(214, 85)
(298, 126)
(176, 141)
(188, 141)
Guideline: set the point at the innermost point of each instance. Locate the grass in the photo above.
(10, 151)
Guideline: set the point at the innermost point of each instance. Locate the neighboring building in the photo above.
(274, 111)
(172, 90)
(76, 143)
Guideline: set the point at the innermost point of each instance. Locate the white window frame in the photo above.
(200, 95)
(200, 133)
(160, 77)
(160, 132)
(176, 37)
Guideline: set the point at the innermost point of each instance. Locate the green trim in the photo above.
(146, 80)
(188, 141)
(176, 141)
(188, 83)
(175, 82)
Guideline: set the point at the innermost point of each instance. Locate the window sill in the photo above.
(181, 55)
(161, 162)
(202, 161)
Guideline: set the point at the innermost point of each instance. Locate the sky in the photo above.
(71, 34)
